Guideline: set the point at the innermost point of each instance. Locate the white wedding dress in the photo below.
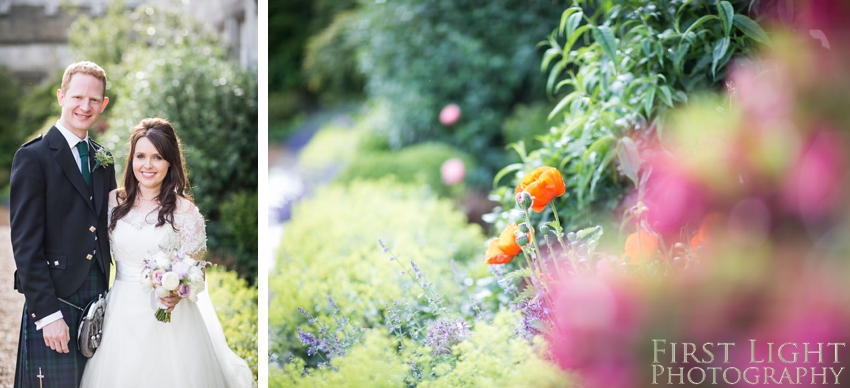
(137, 350)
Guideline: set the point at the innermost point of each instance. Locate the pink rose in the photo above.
(450, 114)
(453, 171)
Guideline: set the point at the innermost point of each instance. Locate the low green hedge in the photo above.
(330, 248)
(419, 164)
(236, 306)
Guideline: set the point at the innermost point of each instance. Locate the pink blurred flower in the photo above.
(674, 200)
(450, 114)
(597, 324)
(814, 184)
(453, 171)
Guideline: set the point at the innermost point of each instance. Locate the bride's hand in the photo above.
(170, 302)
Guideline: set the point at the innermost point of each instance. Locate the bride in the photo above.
(136, 349)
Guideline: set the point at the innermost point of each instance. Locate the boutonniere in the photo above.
(102, 158)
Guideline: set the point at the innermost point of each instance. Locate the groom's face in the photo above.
(82, 103)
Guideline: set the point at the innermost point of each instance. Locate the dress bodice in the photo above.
(136, 237)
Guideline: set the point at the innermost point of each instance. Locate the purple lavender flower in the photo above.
(445, 333)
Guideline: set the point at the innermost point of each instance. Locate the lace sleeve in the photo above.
(192, 231)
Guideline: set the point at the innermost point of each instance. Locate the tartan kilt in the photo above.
(37, 359)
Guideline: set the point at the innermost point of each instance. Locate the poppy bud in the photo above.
(522, 240)
(523, 200)
(571, 236)
(523, 227)
(544, 229)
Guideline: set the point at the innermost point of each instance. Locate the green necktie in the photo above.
(83, 147)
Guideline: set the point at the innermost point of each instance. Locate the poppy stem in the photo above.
(557, 221)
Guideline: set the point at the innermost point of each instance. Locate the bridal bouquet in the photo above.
(172, 272)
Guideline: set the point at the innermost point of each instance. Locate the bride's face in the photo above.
(149, 166)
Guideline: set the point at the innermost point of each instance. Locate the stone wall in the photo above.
(34, 33)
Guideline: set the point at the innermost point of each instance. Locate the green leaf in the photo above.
(530, 292)
(719, 51)
(519, 147)
(572, 39)
(726, 12)
(588, 232)
(505, 171)
(629, 157)
(605, 37)
(548, 56)
(649, 99)
(699, 22)
(515, 274)
(751, 29)
(666, 95)
(564, 102)
(565, 16)
(553, 75)
(573, 23)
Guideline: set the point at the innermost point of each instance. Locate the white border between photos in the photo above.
(262, 193)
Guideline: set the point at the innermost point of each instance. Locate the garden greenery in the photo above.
(236, 307)
(622, 64)
(330, 249)
(418, 56)
(162, 63)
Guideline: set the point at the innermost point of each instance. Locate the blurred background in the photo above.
(191, 62)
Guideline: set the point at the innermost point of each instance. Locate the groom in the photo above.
(58, 203)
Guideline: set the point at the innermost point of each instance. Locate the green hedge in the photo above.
(492, 357)
(236, 306)
(418, 164)
(330, 248)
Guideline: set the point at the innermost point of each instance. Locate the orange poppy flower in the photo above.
(644, 248)
(503, 249)
(495, 255)
(707, 230)
(544, 184)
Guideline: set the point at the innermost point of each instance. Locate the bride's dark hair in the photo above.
(175, 184)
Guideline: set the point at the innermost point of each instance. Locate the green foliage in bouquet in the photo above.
(161, 63)
(622, 64)
(330, 249)
(236, 306)
(419, 56)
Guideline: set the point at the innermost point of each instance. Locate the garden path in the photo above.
(11, 303)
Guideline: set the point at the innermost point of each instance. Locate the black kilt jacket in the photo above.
(59, 225)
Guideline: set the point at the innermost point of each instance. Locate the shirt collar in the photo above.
(71, 138)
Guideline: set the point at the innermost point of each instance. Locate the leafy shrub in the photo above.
(419, 164)
(492, 356)
(639, 61)
(236, 306)
(11, 136)
(240, 230)
(526, 123)
(419, 56)
(332, 148)
(330, 248)
(181, 74)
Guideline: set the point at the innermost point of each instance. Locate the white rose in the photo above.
(170, 281)
(162, 292)
(145, 280)
(195, 275)
(162, 261)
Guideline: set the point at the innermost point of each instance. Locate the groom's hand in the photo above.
(170, 302)
(56, 335)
